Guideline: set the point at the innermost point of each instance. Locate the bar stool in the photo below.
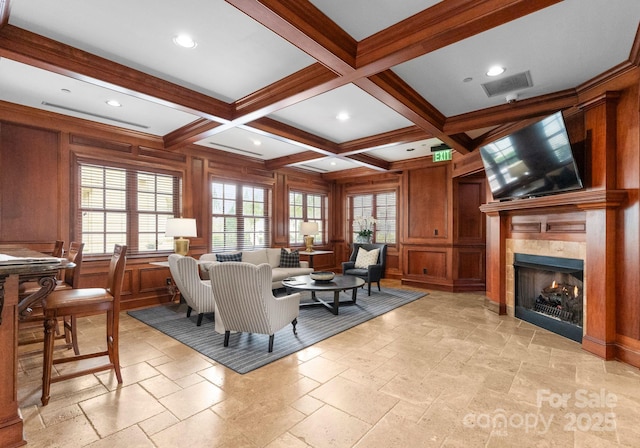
(80, 302)
(70, 279)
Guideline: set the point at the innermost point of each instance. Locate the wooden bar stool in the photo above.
(70, 279)
(84, 302)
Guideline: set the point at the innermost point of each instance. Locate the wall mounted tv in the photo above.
(534, 161)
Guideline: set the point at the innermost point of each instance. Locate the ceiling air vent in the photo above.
(508, 84)
(91, 114)
(244, 151)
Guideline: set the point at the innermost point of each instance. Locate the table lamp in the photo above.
(308, 229)
(181, 227)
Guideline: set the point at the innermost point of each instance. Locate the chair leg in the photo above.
(200, 316)
(71, 332)
(369, 288)
(226, 338)
(47, 359)
(112, 343)
(188, 311)
(379, 286)
(294, 322)
(270, 343)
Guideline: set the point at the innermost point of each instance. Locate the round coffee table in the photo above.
(339, 283)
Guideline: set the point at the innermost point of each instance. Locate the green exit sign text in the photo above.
(442, 156)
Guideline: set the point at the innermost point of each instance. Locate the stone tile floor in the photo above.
(439, 372)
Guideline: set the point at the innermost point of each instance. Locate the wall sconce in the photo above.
(308, 229)
(181, 227)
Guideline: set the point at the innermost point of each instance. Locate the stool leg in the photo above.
(112, 344)
(71, 333)
(50, 324)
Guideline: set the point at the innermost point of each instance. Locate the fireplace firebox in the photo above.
(549, 293)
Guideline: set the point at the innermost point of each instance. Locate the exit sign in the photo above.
(442, 156)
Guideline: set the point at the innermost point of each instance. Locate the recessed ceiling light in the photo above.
(342, 116)
(257, 142)
(495, 70)
(114, 103)
(184, 41)
(469, 79)
(65, 90)
(333, 163)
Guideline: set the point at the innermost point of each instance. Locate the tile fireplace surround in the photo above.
(564, 249)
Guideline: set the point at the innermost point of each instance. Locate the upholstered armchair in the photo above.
(246, 302)
(195, 292)
(370, 270)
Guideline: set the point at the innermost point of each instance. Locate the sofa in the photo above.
(271, 256)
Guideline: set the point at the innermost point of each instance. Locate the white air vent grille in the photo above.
(508, 84)
(91, 114)
(232, 148)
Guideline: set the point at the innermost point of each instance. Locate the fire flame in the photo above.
(575, 291)
(554, 284)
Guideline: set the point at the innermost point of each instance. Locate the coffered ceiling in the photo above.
(268, 78)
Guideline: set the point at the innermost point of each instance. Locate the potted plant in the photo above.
(365, 229)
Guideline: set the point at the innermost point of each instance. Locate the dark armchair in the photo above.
(372, 273)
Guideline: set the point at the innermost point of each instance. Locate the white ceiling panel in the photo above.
(367, 115)
(241, 140)
(363, 18)
(234, 55)
(41, 89)
(562, 46)
(328, 164)
(405, 151)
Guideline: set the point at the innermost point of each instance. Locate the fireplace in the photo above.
(549, 293)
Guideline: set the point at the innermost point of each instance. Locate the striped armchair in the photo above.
(246, 302)
(195, 292)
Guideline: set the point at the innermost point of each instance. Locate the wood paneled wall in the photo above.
(440, 236)
(605, 215)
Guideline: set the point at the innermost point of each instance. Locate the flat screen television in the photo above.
(534, 161)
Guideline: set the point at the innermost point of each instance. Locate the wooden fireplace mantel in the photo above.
(582, 200)
(601, 210)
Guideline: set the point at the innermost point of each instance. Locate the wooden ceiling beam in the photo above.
(506, 113)
(341, 60)
(191, 133)
(348, 174)
(443, 24)
(348, 149)
(290, 134)
(290, 90)
(306, 27)
(281, 162)
(446, 22)
(395, 137)
(390, 89)
(370, 162)
(4, 12)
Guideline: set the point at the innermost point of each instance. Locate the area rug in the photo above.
(247, 352)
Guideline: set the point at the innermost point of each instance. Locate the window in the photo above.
(306, 207)
(240, 217)
(125, 206)
(382, 208)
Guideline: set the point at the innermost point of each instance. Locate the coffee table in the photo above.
(339, 283)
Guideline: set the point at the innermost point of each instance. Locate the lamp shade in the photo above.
(309, 228)
(181, 227)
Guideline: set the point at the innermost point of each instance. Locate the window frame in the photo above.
(294, 222)
(373, 207)
(239, 205)
(132, 213)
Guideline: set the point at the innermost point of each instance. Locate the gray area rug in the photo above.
(247, 351)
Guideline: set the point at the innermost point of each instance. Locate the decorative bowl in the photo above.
(322, 276)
